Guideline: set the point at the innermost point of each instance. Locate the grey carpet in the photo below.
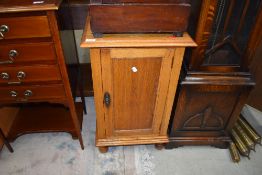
(58, 154)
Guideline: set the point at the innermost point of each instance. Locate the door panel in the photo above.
(135, 92)
(204, 109)
(134, 78)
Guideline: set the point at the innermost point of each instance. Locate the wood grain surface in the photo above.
(135, 18)
(134, 40)
(8, 6)
(26, 27)
(40, 53)
(33, 74)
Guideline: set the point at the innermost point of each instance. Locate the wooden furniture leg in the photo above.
(159, 146)
(103, 149)
(6, 141)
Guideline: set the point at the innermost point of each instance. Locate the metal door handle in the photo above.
(107, 99)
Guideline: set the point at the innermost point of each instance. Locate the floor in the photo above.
(58, 154)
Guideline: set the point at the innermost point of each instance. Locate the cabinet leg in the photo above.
(103, 149)
(74, 135)
(6, 141)
(81, 142)
(172, 145)
(221, 145)
(159, 146)
(77, 125)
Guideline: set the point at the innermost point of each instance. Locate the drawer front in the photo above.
(24, 27)
(27, 53)
(31, 93)
(29, 74)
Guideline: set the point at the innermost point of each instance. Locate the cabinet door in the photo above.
(137, 82)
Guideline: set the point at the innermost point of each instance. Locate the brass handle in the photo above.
(5, 76)
(13, 93)
(107, 99)
(12, 54)
(21, 75)
(3, 29)
(28, 93)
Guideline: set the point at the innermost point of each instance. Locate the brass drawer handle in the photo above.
(12, 55)
(3, 29)
(28, 93)
(21, 75)
(13, 93)
(5, 76)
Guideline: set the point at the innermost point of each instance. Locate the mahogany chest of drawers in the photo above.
(131, 16)
(33, 70)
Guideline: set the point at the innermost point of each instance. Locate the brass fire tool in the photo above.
(234, 152)
(243, 149)
(244, 137)
(250, 131)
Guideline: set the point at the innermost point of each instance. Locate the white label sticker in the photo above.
(134, 69)
(38, 2)
(90, 40)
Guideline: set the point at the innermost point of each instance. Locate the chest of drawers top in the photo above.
(8, 6)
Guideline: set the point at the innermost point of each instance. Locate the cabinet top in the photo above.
(8, 6)
(134, 40)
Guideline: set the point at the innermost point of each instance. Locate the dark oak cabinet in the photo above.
(207, 108)
(215, 82)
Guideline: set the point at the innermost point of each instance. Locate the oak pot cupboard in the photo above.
(134, 78)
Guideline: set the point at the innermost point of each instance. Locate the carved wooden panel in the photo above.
(205, 120)
(205, 108)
